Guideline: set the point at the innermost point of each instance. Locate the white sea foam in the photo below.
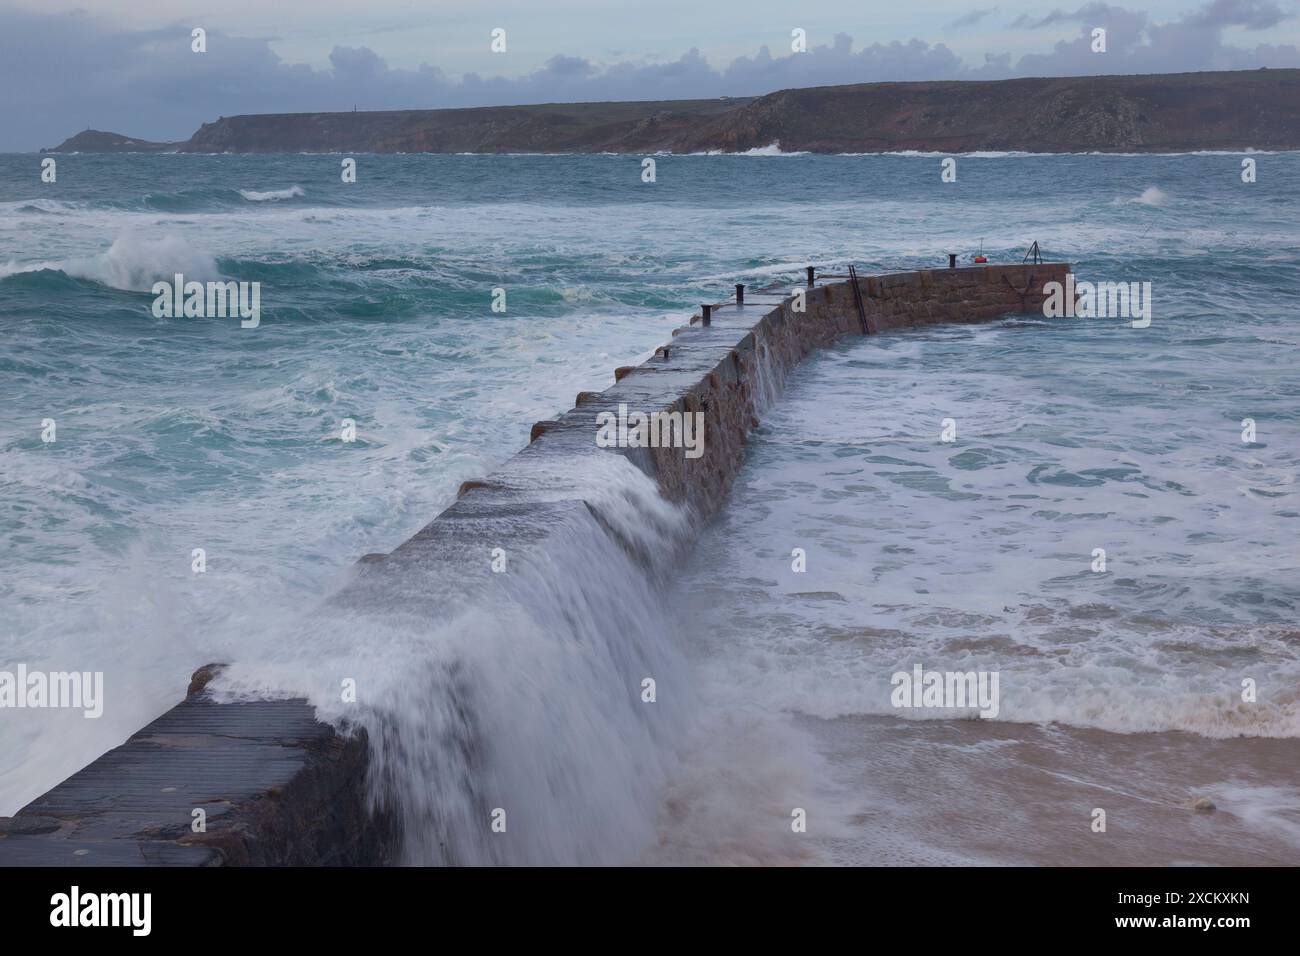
(946, 555)
(292, 192)
(519, 690)
(771, 149)
(1021, 154)
(1152, 196)
(133, 263)
(232, 444)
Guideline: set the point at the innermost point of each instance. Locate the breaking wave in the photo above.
(133, 263)
(293, 192)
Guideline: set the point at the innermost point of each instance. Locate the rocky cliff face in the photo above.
(95, 141)
(1187, 111)
(1156, 113)
(565, 128)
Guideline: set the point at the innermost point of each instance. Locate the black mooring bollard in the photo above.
(952, 260)
(811, 272)
(706, 314)
(740, 294)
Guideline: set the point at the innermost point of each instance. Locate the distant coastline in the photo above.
(1156, 113)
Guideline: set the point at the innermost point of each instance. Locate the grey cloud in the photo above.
(62, 73)
(1126, 49)
(1134, 44)
(1087, 13)
(356, 63)
(972, 18)
(838, 63)
(1252, 14)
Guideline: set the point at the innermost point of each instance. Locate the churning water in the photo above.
(1072, 434)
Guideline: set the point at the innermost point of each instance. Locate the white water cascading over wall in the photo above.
(496, 659)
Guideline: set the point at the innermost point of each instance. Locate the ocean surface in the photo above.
(1073, 434)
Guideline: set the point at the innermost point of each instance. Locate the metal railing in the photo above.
(782, 289)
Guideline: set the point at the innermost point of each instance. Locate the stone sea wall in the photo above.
(279, 787)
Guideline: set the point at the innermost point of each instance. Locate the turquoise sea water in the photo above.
(176, 434)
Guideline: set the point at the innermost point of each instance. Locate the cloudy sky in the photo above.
(127, 66)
